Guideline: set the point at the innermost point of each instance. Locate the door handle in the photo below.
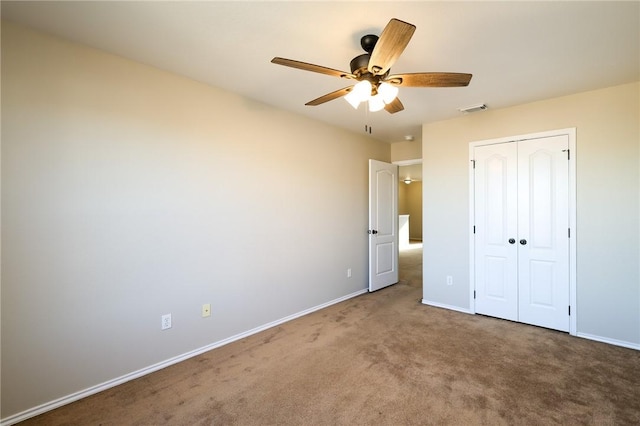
(373, 231)
(512, 241)
(523, 242)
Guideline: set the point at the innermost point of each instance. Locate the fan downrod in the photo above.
(368, 42)
(359, 64)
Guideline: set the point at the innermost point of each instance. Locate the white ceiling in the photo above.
(518, 52)
(412, 172)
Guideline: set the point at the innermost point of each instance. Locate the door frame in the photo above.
(571, 133)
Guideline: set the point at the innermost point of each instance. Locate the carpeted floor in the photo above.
(382, 359)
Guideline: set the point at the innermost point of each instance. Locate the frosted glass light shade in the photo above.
(360, 93)
(376, 103)
(388, 92)
(353, 99)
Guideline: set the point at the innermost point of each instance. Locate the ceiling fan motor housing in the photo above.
(359, 64)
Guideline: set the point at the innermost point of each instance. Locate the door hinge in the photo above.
(474, 163)
(568, 153)
(474, 294)
(569, 232)
(474, 229)
(569, 310)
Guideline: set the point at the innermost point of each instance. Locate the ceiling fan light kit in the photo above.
(378, 97)
(371, 71)
(388, 92)
(359, 93)
(376, 103)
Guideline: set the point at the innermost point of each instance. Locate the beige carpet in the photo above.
(382, 359)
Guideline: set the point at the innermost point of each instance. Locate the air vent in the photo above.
(473, 108)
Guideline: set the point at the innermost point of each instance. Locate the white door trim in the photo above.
(571, 133)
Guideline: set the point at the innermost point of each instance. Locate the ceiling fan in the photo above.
(370, 71)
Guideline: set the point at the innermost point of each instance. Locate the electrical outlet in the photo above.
(449, 280)
(206, 310)
(349, 273)
(166, 321)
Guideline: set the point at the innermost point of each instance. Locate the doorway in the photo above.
(390, 258)
(410, 200)
(523, 214)
(410, 211)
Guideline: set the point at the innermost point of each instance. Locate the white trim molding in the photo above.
(610, 341)
(445, 306)
(40, 409)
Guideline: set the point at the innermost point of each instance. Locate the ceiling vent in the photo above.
(473, 108)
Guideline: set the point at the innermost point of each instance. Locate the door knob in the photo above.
(372, 231)
(512, 241)
(523, 242)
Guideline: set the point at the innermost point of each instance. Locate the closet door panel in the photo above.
(495, 198)
(543, 240)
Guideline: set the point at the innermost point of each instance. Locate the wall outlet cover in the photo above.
(206, 310)
(166, 322)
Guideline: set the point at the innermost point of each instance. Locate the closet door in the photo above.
(521, 240)
(543, 226)
(496, 251)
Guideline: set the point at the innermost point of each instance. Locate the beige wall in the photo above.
(410, 202)
(402, 199)
(608, 198)
(402, 151)
(410, 196)
(122, 201)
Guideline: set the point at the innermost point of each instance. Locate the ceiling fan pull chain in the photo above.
(367, 128)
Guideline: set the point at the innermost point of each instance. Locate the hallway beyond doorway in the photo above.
(410, 264)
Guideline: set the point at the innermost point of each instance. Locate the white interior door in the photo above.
(496, 223)
(521, 216)
(383, 224)
(543, 225)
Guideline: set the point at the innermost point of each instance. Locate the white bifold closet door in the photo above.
(521, 209)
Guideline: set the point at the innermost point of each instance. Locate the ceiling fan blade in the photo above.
(394, 106)
(392, 42)
(430, 79)
(330, 96)
(311, 67)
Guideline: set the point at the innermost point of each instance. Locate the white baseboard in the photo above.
(610, 341)
(40, 409)
(444, 306)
